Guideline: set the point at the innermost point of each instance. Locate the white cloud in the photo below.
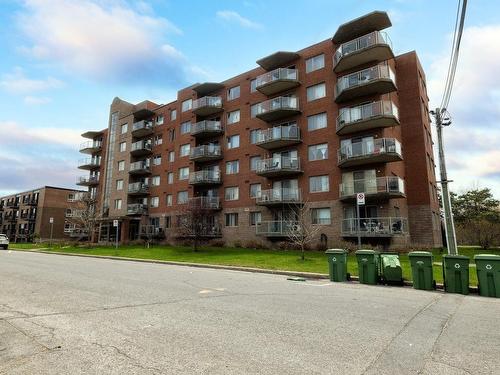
(23, 137)
(234, 17)
(17, 83)
(36, 100)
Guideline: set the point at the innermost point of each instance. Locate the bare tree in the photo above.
(302, 232)
(85, 216)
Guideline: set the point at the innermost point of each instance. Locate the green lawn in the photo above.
(269, 259)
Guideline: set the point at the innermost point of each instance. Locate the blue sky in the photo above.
(63, 61)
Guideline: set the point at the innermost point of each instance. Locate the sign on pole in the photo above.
(360, 201)
(115, 223)
(360, 197)
(51, 220)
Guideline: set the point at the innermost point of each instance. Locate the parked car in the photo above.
(4, 241)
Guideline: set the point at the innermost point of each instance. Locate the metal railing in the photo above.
(93, 162)
(206, 126)
(138, 187)
(90, 144)
(88, 180)
(277, 227)
(375, 147)
(144, 124)
(278, 133)
(278, 164)
(366, 111)
(358, 44)
(363, 77)
(208, 203)
(275, 104)
(375, 226)
(284, 195)
(205, 151)
(388, 184)
(137, 209)
(205, 176)
(140, 165)
(141, 145)
(208, 101)
(276, 75)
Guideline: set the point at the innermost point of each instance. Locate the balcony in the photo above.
(277, 108)
(142, 167)
(382, 150)
(276, 197)
(138, 188)
(278, 167)
(281, 228)
(90, 147)
(204, 231)
(278, 136)
(207, 129)
(374, 188)
(142, 128)
(88, 181)
(89, 163)
(208, 105)
(377, 80)
(276, 81)
(373, 47)
(381, 114)
(205, 203)
(31, 202)
(374, 227)
(137, 209)
(205, 177)
(205, 153)
(12, 204)
(141, 148)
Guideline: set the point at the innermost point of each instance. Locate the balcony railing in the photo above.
(89, 163)
(278, 166)
(279, 196)
(391, 185)
(205, 177)
(363, 43)
(139, 167)
(141, 147)
(280, 79)
(379, 114)
(205, 203)
(90, 147)
(378, 79)
(378, 150)
(206, 127)
(375, 227)
(207, 105)
(142, 128)
(138, 188)
(281, 228)
(278, 136)
(88, 180)
(276, 108)
(137, 209)
(205, 152)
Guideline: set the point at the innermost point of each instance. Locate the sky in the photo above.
(63, 61)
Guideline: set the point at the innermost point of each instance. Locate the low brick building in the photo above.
(341, 117)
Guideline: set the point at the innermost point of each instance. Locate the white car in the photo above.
(4, 241)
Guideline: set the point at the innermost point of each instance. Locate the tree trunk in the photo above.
(303, 255)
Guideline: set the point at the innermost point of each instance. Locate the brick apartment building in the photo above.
(319, 125)
(25, 215)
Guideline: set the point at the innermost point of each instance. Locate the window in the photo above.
(182, 197)
(159, 120)
(233, 93)
(154, 202)
(233, 141)
(254, 162)
(119, 184)
(169, 200)
(155, 181)
(253, 85)
(315, 122)
(316, 92)
(315, 63)
(168, 222)
(232, 220)
(171, 135)
(233, 117)
(157, 160)
(118, 204)
(170, 178)
(171, 156)
(319, 184)
(232, 193)
(186, 127)
(184, 150)
(321, 216)
(124, 128)
(254, 136)
(158, 140)
(187, 105)
(123, 146)
(255, 190)
(318, 152)
(232, 167)
(183, 173)
(254, 110)
(173, 115)
(121, 165)
(255, 217)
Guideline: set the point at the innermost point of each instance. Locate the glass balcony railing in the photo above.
(375, 226)
(206, 203)
(375, 148)
(88, 180)
(207, 105)
(361, 43)
(380, 185)
(205, 177)
(138, 188)
(279, 135)
(140, 166)
(205, 152)
(90, 146)
(278, 228)
(363, 78)
(141, 147)
(358, 115)
(142, 128)
(282, 106)
(277, 80)
(279, 196)
(278, 165)
(206, 127)
(137, 209)
(89, 163)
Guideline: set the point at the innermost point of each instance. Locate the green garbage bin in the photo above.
(368, 266)
(337, 264)
(421, 270)
(390, 269)
(488, 274)
(456, 274)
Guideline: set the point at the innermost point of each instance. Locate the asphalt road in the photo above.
(71, 315)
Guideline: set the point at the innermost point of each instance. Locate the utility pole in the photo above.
(451, 240)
